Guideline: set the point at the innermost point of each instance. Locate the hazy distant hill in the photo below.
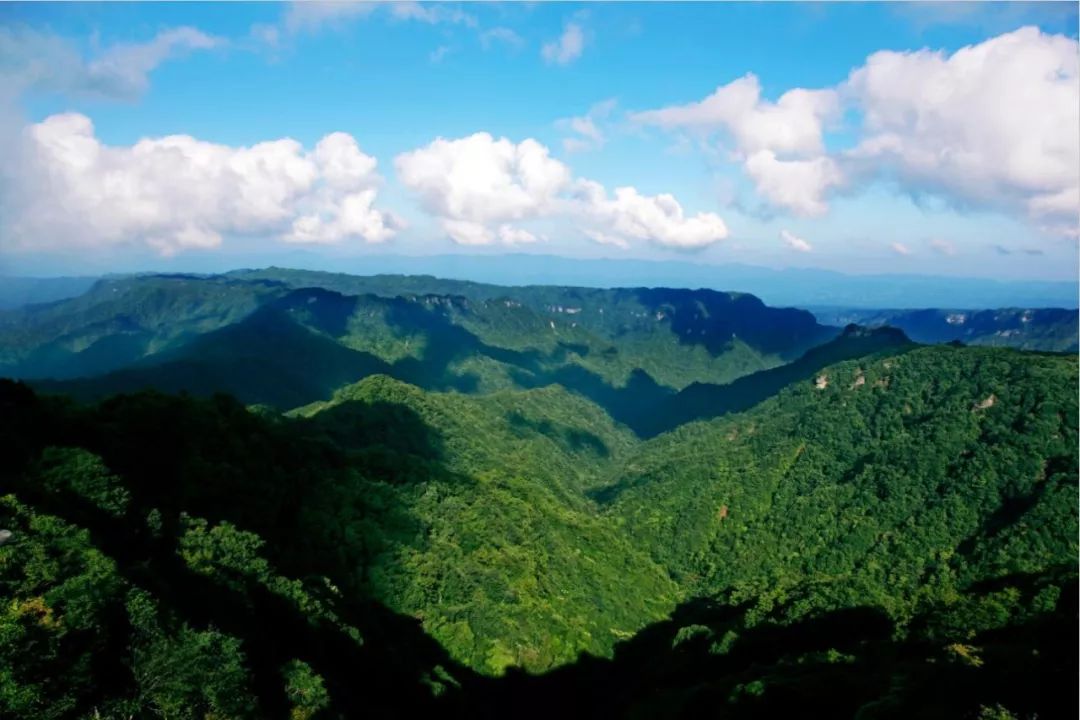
(18, 291)
(799, 287)
(1052, 329)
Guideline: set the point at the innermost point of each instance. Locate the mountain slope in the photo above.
(506, 560)
(905, 535)
(891, 490)
(119, 321)
(706, 400)
(267, 344)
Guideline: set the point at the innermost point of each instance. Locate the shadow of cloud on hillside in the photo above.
(572, 439)
(701, 401)
(713, 319)
(358, 424)
(628, 404)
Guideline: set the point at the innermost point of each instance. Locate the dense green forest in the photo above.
(432, 503)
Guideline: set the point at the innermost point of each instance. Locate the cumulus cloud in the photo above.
(795, 242)
(900, 248)
(779, 143)
(566, 48)
(481, 188)
(798, 185)
(29, 58)
(991, 125)
(482, 180)
(791, 126)
(658, 218)
(586, 133)
(177, 192)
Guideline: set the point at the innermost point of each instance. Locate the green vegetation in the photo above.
(207, 334)
(438, 508)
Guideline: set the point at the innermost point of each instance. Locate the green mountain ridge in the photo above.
(467, 506)
(620, 348)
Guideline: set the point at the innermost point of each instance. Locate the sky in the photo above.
(937, 139)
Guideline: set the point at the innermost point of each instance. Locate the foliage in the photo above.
(456, 516)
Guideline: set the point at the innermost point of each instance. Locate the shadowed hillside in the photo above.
(911, 536)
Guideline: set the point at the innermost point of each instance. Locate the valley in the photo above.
(477, 500)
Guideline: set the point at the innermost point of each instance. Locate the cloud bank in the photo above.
(479, 187)
(992, 125)
(178, 192)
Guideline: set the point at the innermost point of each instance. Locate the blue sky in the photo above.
(978, 183)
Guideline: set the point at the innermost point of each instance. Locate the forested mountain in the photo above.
(154, 539)
(1053, 329)
(462, 500)
(231, 334)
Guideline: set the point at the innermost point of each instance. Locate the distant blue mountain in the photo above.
(18, 291)
(790, 287)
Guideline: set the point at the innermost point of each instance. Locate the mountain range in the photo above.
(796, 287)
(283, 493)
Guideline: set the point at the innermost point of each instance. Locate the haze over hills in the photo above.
(791, 287)
(1053, 329)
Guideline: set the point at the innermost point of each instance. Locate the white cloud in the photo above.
(657, 218)
(607, 239)
(991, 125)
(795, 242)
(586, 133)
(431, 13)
(510, 235)
(566, 48)
(29, 58)
(780, 144)
(482, 180)
(479, 188)
(790, 126)
(503, 35)
(313, 16)
(585, 129)
(900, 248)
(798, 185)
(177, 192)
